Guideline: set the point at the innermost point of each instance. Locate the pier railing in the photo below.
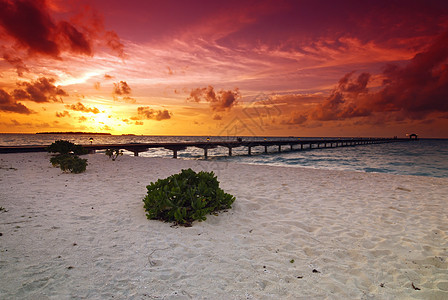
(296, 144)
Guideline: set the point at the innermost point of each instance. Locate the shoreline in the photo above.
(292, 233)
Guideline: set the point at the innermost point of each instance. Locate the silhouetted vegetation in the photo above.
(64, 147)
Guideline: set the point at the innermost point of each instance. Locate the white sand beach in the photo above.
(292, 233)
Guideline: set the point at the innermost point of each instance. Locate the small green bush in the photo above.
(69, 163)
(64, 147)
(185, 197)
(113, 153)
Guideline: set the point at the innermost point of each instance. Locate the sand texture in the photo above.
(292, 234)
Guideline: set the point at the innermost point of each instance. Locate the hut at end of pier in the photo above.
(413, 137)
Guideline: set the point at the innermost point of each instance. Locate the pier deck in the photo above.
(297, 144)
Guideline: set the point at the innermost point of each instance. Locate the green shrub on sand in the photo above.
(69, 163)
(185, 197)
(68, 159)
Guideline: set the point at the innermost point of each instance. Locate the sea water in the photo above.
(425, 157)
(420, 158)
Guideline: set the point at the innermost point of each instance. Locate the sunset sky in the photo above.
(265, 68)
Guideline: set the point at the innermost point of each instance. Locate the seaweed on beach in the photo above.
(185, 197)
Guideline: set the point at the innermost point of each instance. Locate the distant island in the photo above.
(77, 132)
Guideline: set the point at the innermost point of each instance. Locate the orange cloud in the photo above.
(219, 101)
(145, 112)
(41, 90)
(62, 114)
(123, 89)
(8, 104)
(80, 107)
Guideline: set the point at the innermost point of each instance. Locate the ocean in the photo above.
(425, 157)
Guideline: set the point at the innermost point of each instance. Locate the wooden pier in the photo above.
(291, 145)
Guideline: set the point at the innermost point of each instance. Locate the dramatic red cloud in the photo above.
(113, 41)
(30, 24)
(219, 101)
(342, 103)
(420, 87)
(17, 62)
(412, 91)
